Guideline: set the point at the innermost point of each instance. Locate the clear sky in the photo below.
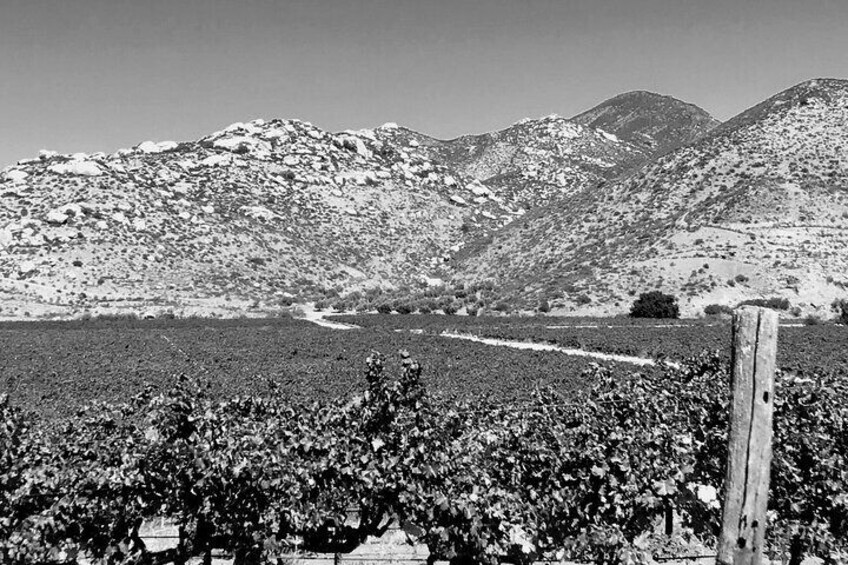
(97, 75)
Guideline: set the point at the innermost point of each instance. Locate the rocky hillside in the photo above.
(758, 207)
(257, 212)
(655, 123)
(533, 161)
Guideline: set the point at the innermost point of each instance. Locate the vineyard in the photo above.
(56, 368)
(606, 467)
(801, 349)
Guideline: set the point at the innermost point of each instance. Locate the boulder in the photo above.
(56, 217)
(16, 175)
(76, 168)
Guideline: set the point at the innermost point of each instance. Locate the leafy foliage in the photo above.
(655, 304)
(718, 310)
(775, 303)
(841, 309)
(583, 477)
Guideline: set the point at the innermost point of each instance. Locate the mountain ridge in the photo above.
(265, 212)
(654, 122)
(763, 200)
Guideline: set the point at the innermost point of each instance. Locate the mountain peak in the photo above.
(655, 122)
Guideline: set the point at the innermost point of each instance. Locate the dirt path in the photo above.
(534, 346)
(320, 319)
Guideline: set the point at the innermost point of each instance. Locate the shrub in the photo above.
(384, 308)
(775, 303)
(583, 299)
(813, 320)
(544, 307)
(502, 307)
(449, 309)
(403, 308)
(718, 310)
(655, 304)
(841, 308)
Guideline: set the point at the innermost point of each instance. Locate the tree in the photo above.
(655, 304)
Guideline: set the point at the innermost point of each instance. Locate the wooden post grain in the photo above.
(749, 447)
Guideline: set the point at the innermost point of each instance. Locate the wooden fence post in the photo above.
(749, 446)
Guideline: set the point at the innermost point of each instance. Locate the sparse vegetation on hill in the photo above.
(266, 213)
(756, 207)
(658, 124)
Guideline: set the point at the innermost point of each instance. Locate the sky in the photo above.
(99, 75)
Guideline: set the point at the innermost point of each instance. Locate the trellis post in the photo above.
(749, 445)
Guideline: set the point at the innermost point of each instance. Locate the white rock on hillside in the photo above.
(215, 160)
(258, 212)
(153, 147)
(78, 168)
(16, 176)
(432, 282)
(56, 217)
(25, 267)
(478, 188)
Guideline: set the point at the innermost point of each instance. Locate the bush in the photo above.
(450, 308)
(544, 307)
(502, 307)
(403, 308)
(718, 310)
(775, 303)
(583, 299)
(655, 304)
(841, 308)
(384, 308)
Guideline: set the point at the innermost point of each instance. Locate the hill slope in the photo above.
(533, 161)
(757, 207)
(655, 123)
(255, 212)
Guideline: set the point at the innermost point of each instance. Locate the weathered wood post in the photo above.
(749, 447)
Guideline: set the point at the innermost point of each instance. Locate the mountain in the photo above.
(755, 208)
(655, 123)
(257, 212)
(535, 160)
